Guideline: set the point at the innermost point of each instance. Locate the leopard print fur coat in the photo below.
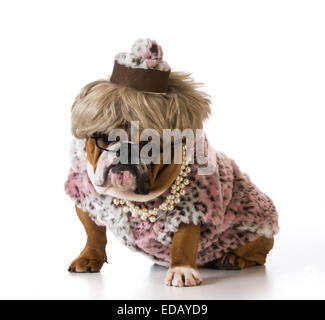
(230, 208)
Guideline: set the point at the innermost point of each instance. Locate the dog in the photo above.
(170, 212)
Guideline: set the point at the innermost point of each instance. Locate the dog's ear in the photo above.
(93, 152)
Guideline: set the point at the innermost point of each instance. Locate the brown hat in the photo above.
(143, 69)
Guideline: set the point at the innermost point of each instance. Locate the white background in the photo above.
(263, 64)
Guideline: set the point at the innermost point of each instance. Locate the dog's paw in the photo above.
(182, 276)
(90, 260)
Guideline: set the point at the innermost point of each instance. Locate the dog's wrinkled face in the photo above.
(129, 169)
(121, 172)
(116, 166)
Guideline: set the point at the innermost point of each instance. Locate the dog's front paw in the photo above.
(182, 276)
(89, 260)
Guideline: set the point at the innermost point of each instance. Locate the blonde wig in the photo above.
(102, 106)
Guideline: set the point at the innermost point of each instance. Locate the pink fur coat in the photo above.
(230, 208)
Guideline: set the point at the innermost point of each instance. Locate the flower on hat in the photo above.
(145, 54)
(151, 53)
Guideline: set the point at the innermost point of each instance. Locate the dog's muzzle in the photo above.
(110, 172)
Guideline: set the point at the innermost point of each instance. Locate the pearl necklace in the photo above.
(177, 190)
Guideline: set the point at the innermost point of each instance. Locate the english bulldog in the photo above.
(167, 210)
